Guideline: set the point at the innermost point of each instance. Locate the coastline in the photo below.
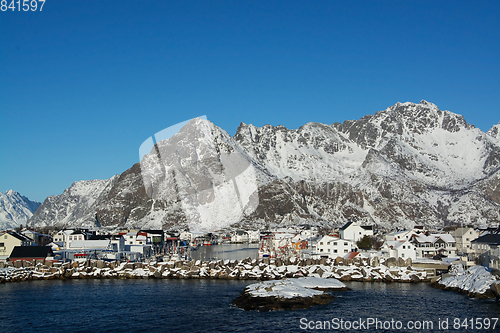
(366, 270)
(359, 270)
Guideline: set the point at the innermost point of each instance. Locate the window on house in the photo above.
(335, 251)
(335, 243)
(345, 251)
(2, 244)
(320, 243)
(328, 243)
(402, 255)
(467, 239)
(328, 250)
(345, 243)
(321, 250)
(404, 247)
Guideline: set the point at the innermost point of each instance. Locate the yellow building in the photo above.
(10, 239)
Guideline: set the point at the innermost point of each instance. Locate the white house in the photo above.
(62, 237)
(239, 236)
(463, 238)
(354, 232)
(333, 247)
(191, 235)
(135, 238)
(253, 236)
(429, 246)
(399, 249)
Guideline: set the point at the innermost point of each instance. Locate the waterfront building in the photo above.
(9, 240)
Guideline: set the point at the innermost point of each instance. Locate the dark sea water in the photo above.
(205, 306)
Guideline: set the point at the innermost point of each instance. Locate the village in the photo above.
(460, 245)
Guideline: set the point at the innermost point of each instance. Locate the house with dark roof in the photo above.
(11, 239)
(28, 253)
(354, 232)
(487, 250)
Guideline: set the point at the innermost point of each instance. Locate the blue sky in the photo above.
(84, 82)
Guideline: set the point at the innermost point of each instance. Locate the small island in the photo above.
(287, 294)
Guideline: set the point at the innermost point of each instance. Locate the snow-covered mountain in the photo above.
(15, 209)
(75, 206)
(409, 164)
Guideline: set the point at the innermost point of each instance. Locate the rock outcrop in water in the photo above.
(287, 294)
(476, 282)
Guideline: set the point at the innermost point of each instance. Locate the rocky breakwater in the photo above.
(368, 270)
(476, 282)
(287, 294)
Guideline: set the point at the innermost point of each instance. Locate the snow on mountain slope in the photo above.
(200, 177)
(405, 165)
(75, 206)
(313, 151)
(437, 147)
(15, 209)
(409, 164)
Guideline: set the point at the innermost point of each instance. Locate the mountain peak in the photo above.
(494, 131)
(15, 209)
(410, 163)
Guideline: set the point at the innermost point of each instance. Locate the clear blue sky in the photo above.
(84, 82)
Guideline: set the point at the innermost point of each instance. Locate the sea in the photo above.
(167, 305)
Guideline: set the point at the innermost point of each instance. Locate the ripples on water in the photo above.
(204, 306)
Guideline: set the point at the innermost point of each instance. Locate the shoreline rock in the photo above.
(476, 282)
(247, 269)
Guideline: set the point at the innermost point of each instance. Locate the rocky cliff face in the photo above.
(15, 209)
(409, 164)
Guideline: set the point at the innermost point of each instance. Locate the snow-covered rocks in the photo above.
(246, 269)
(477, 281)
(287, 294)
